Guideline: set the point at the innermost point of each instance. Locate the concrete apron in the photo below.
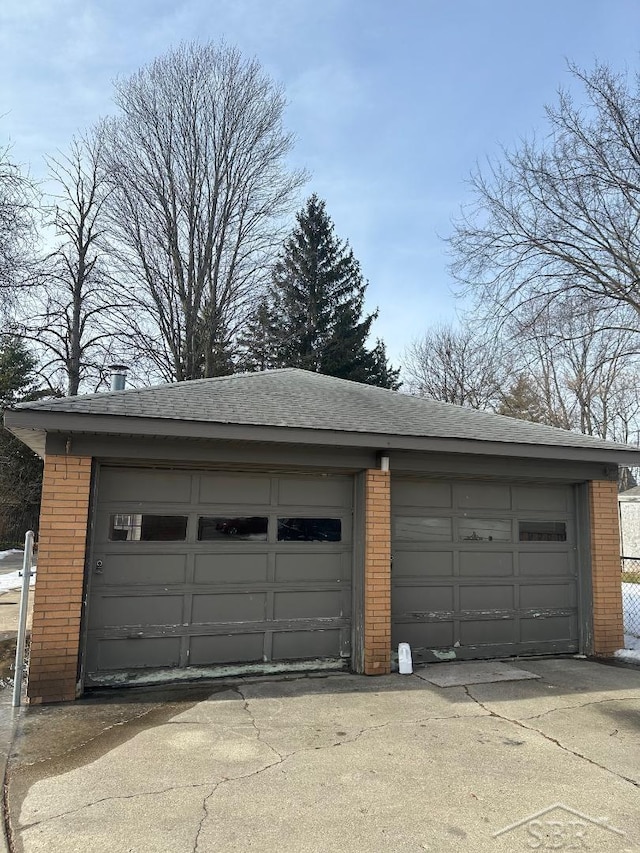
(337, 763)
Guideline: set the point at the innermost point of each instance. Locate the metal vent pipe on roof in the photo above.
(118, 376)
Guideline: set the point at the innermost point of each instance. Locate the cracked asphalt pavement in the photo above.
(335, 763)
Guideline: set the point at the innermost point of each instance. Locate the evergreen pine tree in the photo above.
(387, 376)
(257, 346)
(523, 402)
(20, 468)
(314, 316)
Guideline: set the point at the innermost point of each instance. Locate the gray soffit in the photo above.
(296, 406)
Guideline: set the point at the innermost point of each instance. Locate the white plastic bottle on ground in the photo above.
(405, 664)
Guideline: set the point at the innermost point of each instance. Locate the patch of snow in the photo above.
(13, 580)
(631, 615)
(5, 554)
(628, 654)
(631, 608)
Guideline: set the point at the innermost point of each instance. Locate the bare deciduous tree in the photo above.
(16, 228)
(195, 161)
(585, 367)
(72, 322)
(566, 366)
(456, 365)
(561, 216)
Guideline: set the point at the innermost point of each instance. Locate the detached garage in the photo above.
(285, 521)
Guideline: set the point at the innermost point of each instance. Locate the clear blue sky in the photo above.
(391, 101)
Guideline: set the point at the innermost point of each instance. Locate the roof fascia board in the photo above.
(109, 447)
(128, 425)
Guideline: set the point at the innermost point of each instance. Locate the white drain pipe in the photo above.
(18, 669)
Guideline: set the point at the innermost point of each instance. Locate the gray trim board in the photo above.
(128, 449)
(134, 450)
(357, 636)
(584, 573)
(482, 467)
(88, 574)
(37, 422)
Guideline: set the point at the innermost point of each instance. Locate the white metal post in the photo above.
(22, 622)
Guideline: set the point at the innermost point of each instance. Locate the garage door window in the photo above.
(309, 530)
(252, 527)
(542, 531)
(415, 529)
(133, 527)
(485, 529)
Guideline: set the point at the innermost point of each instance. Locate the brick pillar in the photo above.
(377, 573)
(605, 567)
(55, 635)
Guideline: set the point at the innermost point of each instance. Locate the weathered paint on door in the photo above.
(197, 569)
(483, 569)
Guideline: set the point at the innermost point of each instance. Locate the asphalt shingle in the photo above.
(301, 399)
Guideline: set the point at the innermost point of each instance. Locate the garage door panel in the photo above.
(422, 564)
(550, 628)
(138, 485)
(414, 529)
(234, 490)
(545, 499)
(483, 496)
(139, 653)
(231, 568)
(417, 493)
(487, 631)
(420, 635)
(548, 595)
(229, 607)
(298, 645)
(548, 564)
(486, 564)
(227, 648)
(487, 597)
(135, 611)
(318, 604)
(142, 569)
(311, 567)
(414, 599)
(322, 492)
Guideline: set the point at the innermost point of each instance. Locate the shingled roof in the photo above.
(630, 494)
(298, 399)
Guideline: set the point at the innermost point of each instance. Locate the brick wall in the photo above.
(605, 566)
(377, 573)
(55, 635)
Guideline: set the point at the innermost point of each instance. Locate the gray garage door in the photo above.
(483, 570)
(198, 569)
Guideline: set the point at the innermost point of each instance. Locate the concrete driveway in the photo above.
(337, 763)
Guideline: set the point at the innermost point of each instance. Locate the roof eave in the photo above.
(30, 426)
